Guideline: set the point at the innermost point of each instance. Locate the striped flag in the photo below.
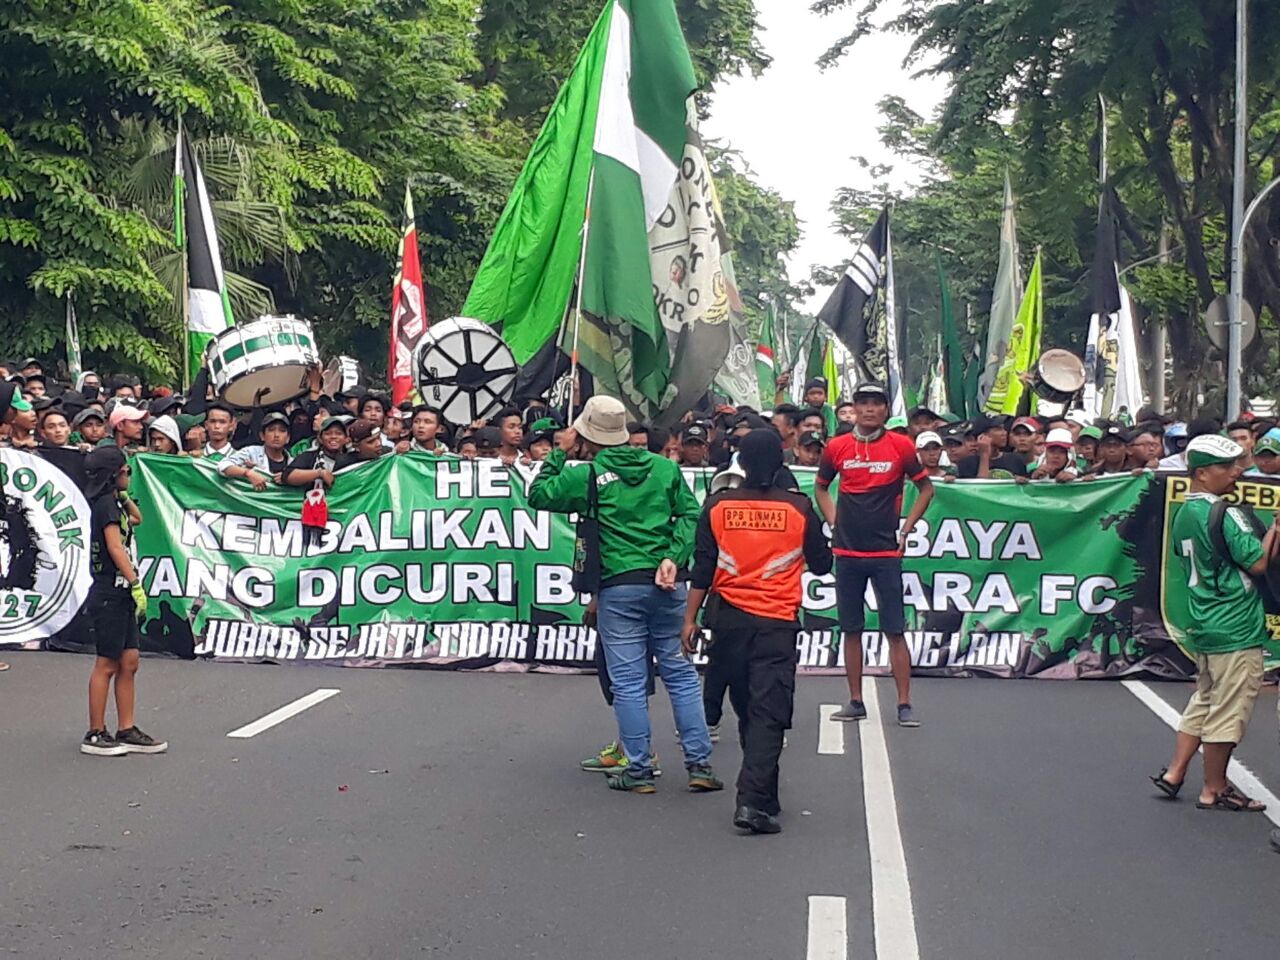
(1023, 349)
(208, 306)
(766, 369)
(848, 311)
(408, 308)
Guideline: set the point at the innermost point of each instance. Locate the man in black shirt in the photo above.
(991, 462)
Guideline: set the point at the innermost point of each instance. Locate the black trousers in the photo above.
(758, 660)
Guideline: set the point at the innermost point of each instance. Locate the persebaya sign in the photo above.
(442, 562)
(44, 556)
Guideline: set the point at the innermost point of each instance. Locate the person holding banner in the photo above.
(1218, 553)
(753, 544)
(871, 465)
(646, 517)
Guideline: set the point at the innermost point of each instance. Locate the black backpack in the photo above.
(1267, 587)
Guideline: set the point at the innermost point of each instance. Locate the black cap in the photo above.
(488, 438)
(46, 403)
(274, 417)
(815, 383)
(1114, 431)
(987, 422)
(752, 421)
(871, 388)
(1150, 414)
(811, 438)
(954, 434)
(162, 405)
(922, 411)
(31, 362)
(694, 433)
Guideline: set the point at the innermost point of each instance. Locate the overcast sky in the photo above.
(798, 127)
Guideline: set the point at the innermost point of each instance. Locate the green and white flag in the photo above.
(208, 306)
(1005, 297)
(766, 361)
(620, 134)
(73, 341)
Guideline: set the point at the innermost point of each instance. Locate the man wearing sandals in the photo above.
(1227, 625)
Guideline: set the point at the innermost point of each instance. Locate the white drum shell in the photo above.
(263, 362)
(464, 369)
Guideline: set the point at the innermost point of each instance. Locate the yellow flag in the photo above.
(1023, 350)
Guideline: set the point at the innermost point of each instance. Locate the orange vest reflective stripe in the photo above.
(761, 555)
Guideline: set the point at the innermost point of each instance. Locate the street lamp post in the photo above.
(1235, 359)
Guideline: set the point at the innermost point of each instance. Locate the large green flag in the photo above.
(766, 360)
(953, 360)
(615, 140)
(1024, 348)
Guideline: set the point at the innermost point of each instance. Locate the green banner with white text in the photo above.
(441, 562)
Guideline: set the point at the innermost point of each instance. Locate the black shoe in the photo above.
(855, 710)
(757, 821)
(906, 718)
(99, 743)
(135, 741)
(1275, 840)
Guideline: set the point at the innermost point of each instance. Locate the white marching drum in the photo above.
(266, 361)
(465, 370)
(1059, 376)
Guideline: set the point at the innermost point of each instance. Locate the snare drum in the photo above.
(264, 362)
(1059, 376)
(465, 370)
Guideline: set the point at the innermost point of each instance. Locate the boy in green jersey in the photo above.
(1228, 625)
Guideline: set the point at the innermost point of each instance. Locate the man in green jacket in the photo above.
(647, 517)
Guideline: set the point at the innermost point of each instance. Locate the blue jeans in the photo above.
(635, 622)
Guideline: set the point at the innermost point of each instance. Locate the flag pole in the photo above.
(179, 222)
(577, 308)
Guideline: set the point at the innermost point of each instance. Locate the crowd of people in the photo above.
(655, 561)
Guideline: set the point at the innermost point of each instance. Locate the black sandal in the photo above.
(1166, 787)
(1232, 801)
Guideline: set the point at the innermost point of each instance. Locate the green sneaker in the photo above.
(626, 782)
(611, 759)
(702, 780)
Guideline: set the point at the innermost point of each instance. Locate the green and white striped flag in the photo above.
(73, 341)
(208, 306)
(618, 131)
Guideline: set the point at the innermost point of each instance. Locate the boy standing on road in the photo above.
(1228, 625)
(646, 516)
(871, 465)
(116, 603)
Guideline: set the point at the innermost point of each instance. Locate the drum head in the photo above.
(1059, 375)
(465, 370)
(268, 386)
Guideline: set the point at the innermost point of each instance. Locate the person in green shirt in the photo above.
(1227, 624)
(646, 517)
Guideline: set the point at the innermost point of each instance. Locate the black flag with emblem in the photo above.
(849, 308)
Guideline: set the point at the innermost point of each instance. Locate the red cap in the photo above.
(1031, 423)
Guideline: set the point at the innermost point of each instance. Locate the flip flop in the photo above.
(3, 666)
(1166, 787)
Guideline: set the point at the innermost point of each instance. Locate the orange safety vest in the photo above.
(760, 538)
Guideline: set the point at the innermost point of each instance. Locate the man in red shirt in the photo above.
(871, 464)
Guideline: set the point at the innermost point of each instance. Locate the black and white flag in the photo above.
(849, 309)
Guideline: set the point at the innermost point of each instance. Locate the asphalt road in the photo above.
(1017, 822)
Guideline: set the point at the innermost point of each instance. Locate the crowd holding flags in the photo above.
(618, 176)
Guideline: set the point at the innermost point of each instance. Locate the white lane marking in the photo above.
(830, 732)
(1237, 772)
(895, 918)
(828, 929)
(283, 714)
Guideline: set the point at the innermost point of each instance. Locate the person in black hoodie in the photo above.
(117, 601)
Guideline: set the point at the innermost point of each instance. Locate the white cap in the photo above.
(926, 438)
(1061, 437)
(1080, 417)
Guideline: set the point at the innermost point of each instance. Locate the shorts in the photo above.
(114, 623)
(1226, 686)
(885, 575)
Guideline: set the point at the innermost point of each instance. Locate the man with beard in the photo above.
(752, 546)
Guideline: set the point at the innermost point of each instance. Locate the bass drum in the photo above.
(1059, 376)
(465, 370)
(265, 362)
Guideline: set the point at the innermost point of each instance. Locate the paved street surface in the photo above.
(443, 815)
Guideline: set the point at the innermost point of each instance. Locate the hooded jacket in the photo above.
(647, 513)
